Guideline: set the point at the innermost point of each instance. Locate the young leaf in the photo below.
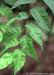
(1, 36)
(11, 33)
(35, 32)
(12, 43)
(6, 12)
(41, 16)
(10, 37)
(19, 60)
(20, 2)
(20, 16)
(50, 4)
(27, 46)
(5, 60)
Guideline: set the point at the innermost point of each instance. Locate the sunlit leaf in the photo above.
(35, 32)
(27, 46)
(5, 60)
(10, 37)
(19, 60)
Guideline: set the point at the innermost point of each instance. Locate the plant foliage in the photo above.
(17, 57)
(27, 46)
(41, 16)
(20, 2)
(35, 32)
(50, 4)
(3, 11)
(11, 35)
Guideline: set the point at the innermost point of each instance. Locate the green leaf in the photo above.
(10, 2)
(1, 36)
(50, 4)
(20, 2)
(2, 27)
(19, 60)
(11, 65)
(27, 46)
(16, 59)
(5, 60)
(41, 16)
(12, 43)
(11, 33)
(10, 37)
(35, 32)
(6, 12)
(20, 16)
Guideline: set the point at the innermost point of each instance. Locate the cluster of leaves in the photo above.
(9, 35)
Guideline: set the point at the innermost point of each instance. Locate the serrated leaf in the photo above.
(19, 60)
(10, 37)
(27, 46)
(20, 2)
(41, 16)
(50, 4)
(5, 60)
(35, 32)
(1, 36)
(20, 16)
(6, 12)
